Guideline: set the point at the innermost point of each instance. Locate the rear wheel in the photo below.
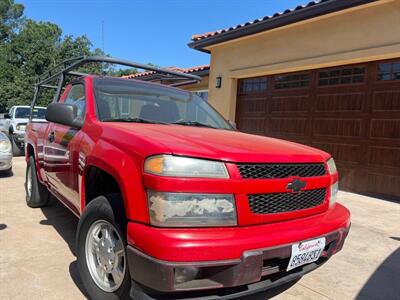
(101, 251)
(37, 194)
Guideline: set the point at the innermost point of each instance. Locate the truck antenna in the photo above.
(102, 35)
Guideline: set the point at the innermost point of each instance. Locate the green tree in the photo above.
(31, 52)
(29, 49)
(122, 72)
(81, 46)
(10, 18)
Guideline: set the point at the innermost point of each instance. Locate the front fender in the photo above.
(126, 169)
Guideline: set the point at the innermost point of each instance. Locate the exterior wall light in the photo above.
(218, 82)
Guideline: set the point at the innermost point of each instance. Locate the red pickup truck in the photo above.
(172, 200)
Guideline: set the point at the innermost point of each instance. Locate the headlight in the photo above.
(5, 145)
(21, 127)
(334, 192)
(191, 210)
(331, 166)
(178, 166)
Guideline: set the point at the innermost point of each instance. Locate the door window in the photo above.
(347, 75)
(252, 85)
(76, 96)
(389, 71)
(290, 81)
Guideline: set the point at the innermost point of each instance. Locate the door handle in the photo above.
(51, 137)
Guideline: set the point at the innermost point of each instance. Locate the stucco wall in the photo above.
(365, 33)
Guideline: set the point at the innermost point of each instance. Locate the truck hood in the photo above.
(218, 144)
(19, 120)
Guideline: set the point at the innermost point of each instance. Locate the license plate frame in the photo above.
(306, 252)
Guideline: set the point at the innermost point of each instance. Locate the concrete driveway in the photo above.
(37, 251)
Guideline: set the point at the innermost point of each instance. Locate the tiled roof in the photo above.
(176, 69)
(204, 35)
(301, 12)
(196, 69)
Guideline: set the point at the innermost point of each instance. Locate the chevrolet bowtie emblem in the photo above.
(296, 185)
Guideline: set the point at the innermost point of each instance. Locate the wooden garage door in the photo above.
(352, 112)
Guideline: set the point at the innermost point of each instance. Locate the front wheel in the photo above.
(101, 252)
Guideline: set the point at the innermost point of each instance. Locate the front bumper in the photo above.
(262, 253)
(19, 138)
(267, 265)
(5, 161)
(267, 283)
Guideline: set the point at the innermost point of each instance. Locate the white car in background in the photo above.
(5, 154)
(15, 124)
(3, 122)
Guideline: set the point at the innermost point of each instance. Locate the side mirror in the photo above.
(7, 116)
(233, 124)
(65, 114)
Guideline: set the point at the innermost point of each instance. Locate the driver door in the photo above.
(62, 152)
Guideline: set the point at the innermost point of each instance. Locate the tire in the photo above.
(16, 150)
(6, 172)
(37, 194)
(92, 245)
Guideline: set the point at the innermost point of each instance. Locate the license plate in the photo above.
(305, 253)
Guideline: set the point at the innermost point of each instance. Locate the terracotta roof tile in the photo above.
(301, 12)
(177, 69)
(205, 35)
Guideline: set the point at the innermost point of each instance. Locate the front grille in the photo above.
(285, 202)
(259, 171)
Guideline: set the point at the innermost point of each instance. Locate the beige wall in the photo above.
(202, 85)
(368, 32)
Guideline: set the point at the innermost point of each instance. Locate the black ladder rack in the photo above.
(68, 66)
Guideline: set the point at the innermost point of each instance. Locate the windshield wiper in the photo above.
(192, 123)
(132, 120)
(140, 120)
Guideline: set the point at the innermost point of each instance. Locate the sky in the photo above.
(150, 31)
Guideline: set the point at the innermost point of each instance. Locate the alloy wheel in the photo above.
(105, 255)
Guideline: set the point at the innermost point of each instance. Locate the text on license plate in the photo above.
(306, 252)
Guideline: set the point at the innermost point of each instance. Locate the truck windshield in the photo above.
(121, 100)
(24, 112)
(38, 113)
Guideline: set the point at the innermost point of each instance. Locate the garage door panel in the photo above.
(352, 112)
(384, 184)
(252, 105)
(381, 156)
(289, 126)
(385, 129)
(386, 101)
(252, 125)
(337, 127)
(290, 104)
(339, 102)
